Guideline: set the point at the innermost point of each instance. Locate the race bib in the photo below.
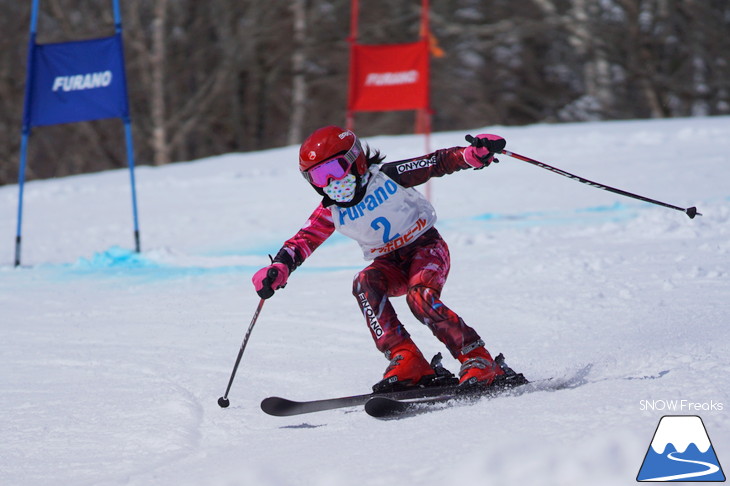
(389, 216)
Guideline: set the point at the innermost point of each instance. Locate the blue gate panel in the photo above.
(77, 81)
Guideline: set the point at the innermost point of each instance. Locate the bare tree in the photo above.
(234, 75)
(299, 87)
(157, 63)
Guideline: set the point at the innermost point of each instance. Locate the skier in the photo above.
(375, 204)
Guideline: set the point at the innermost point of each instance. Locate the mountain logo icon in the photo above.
(681, 451)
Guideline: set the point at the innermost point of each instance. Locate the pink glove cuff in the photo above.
(472, 154)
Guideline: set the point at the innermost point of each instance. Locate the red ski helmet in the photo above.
(327, 142)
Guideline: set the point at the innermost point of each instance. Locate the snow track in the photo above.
(112, 362)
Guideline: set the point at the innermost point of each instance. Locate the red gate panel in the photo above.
(389, 77)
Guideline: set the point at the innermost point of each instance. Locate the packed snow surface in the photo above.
(112, 362)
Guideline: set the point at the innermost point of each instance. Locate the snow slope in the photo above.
(112, 362)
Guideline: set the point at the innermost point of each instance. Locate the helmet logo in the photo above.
(312, 155)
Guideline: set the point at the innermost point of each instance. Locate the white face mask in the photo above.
(342, 191)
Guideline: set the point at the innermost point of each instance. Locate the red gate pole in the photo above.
(423, 119)
(354, 18)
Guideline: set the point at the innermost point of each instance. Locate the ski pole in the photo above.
(223, 401)
(691, 212)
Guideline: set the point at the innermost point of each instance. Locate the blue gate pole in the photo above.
(21, 185)
(127, 127)
(130, 161)
(26, 127)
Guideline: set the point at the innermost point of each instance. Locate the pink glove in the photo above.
(269, 279)
(482, 149)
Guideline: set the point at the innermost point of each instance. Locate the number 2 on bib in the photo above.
(381, 222)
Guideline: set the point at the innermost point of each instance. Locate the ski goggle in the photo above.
(321, 174)
(335, 168)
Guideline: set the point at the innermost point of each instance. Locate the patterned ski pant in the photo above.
(419, 272)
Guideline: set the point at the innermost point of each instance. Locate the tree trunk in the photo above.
(160, 146)
(299, 86)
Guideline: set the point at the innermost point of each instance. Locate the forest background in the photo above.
(223, 76)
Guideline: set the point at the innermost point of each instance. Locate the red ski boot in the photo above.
(408, 368)
(478, 368)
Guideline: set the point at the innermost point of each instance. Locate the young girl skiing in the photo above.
(375, 204)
